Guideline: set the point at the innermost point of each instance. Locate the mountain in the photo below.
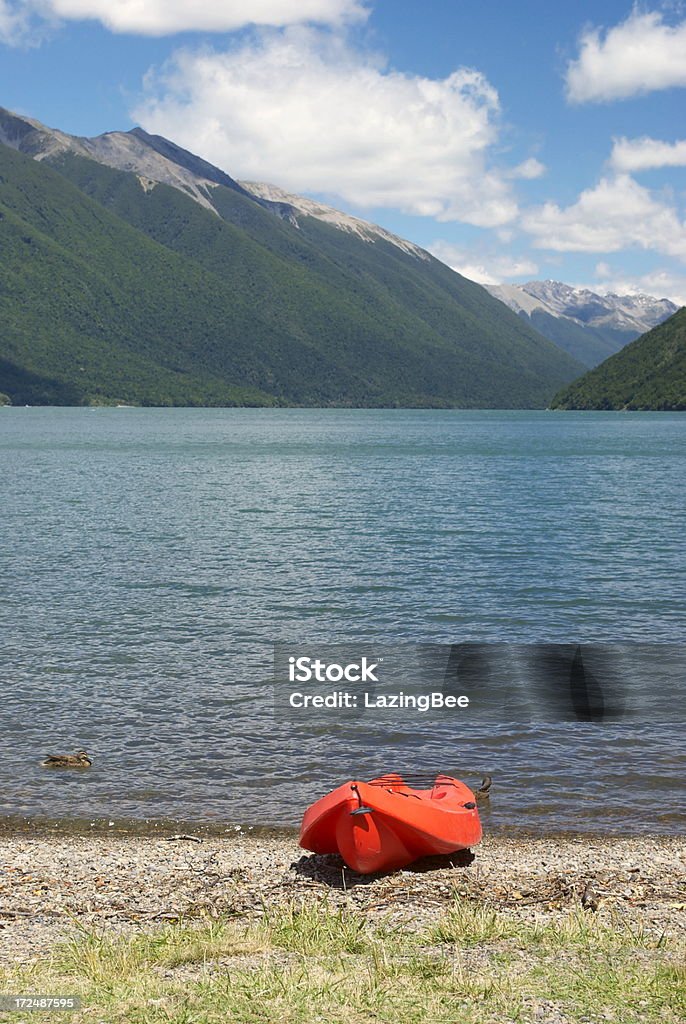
(650, 373)
(133, 271)
(590, 327)
(343, 221)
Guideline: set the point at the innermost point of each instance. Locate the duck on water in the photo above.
(78, 760)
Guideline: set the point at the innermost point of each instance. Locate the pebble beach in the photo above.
(52, 884)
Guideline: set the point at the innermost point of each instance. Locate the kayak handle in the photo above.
(469, 806)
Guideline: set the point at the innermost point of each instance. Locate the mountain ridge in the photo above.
(589, 326)
(173, 165)
(639, 311)
(329, 215)
(286, 307)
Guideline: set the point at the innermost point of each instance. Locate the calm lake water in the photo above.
(150, 558)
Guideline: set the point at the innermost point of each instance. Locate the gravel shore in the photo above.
(50, 883)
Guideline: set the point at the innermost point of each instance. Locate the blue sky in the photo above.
(515, 141)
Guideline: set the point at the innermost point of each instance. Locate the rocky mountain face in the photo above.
(151, 158)
(157, 160)
(633, 312)
(134, 271)
(590, 327)
(343, 221)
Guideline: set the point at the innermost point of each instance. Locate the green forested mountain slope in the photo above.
(587, 344)
(90, 309)
(650, 373)
(363, 301)
(117, 289)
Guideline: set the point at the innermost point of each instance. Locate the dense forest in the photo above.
(116, 289)
(650, 373)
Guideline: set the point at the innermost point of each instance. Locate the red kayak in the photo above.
(384, 824)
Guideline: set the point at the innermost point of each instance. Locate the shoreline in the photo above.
(63, 828)
(53, 885)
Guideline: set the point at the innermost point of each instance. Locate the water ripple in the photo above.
(150, 557)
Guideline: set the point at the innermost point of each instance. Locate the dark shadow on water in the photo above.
(330, 869)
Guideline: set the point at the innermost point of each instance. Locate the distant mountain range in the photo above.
(133, 271)
(650, 373)
(590, 327)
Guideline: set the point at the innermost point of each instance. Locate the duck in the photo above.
(483, 792)
(78, 760)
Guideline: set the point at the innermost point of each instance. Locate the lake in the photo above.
(152, 557)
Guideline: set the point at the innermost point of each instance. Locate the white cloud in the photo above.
(646, 154)
(528, 169)
(639, 55)
(616, 214)
(303, 109)
(488, 270)
(165, 17)
(15, 22)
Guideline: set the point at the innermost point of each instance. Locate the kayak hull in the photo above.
(383, 825)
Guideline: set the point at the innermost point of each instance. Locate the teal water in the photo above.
(150, 558)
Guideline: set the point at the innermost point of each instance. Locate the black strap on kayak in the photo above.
(361, 809)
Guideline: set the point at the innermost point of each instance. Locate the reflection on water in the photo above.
(151, 557)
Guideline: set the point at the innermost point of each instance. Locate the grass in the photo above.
(312, 963)
(316, 929)
(97, 956)
(473, 925)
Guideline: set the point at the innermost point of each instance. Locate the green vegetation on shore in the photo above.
(650, 373)
(311, 963)
(112, 291)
